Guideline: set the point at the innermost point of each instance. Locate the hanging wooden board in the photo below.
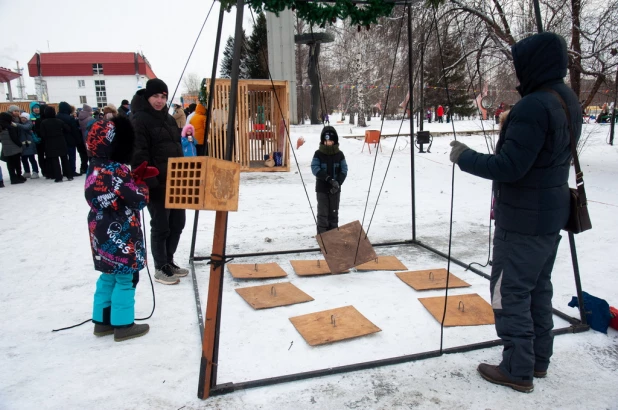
(431, 279)
(255, 270)
(345, 247)
(461, 310)
(268, 296)
(383, 263)
(311, 267)
(333, 325)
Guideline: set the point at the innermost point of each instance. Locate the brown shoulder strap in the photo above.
(579, 175)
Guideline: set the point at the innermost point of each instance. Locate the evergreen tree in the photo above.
(257, 47)
(225, 70)
(435, 93)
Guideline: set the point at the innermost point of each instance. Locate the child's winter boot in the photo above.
(103, 330)
(130, 332)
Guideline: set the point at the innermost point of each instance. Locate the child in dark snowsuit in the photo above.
(330, 170)
(115, 196)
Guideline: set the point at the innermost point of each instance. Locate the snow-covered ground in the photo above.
(47, 281)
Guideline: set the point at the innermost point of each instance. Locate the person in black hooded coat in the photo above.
(73, 137)
(156, 140)
(53, 131)
(530, 172)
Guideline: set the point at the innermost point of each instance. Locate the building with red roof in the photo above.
(93, 78)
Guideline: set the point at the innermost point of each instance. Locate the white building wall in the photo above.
(3, 92)
(118, 88)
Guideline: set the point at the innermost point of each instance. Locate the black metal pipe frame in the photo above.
(411, 105)
(231, 387)
(215, 389)
(208, 115)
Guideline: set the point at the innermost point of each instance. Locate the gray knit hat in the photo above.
(14, 108)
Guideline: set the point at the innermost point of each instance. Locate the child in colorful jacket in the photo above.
(115, 196)
(330, 170)
(188, 141)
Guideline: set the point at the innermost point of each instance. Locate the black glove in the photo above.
(334, 190)
(333, 183)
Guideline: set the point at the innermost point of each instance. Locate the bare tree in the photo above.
(191, 82)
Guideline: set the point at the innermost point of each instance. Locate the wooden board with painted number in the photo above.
(311, 267)
(461, 310)
(383, 263)
(256, 270)
(333, 325)
(431, 279)
(269, 296)
(345, 247)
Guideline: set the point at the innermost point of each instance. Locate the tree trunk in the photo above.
(574, 73)
(312, 73)
(360, 91)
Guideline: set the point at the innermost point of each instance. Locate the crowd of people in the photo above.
(45, 143)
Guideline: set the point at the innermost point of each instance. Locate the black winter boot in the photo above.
(126, 333)
(1, 184)
(103, 330)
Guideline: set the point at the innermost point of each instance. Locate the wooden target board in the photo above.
(333, 325)
(431, 279)
(345, 247)
(383, 263)
(311, 267)
(202, 183)
(461, 310)
(256, 270)
(269, 296)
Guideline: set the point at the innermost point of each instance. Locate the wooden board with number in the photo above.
(268, 296)
(345, 247)
(382, 263)
(311, 267)
(461, 310)
(333, 325)
(431, 279)
(256, 270)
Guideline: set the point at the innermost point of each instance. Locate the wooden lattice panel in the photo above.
(383, 263)
(256, 270)
(311, 267)
(203, 183)
(345, 247)
(333, 325)
(461, 310)
(268, 296)
(431, 279)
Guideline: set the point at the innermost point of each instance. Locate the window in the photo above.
(97, 68)
(82, 99)
(81, 83)
(101, 93)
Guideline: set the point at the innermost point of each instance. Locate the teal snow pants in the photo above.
(114, 299)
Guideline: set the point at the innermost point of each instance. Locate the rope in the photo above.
(450, 233)
(191, 53)
(287, 132)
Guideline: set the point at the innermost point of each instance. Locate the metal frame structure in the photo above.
(210, 327)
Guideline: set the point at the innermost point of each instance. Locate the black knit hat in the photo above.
(329, 133)
(155, 86)
(124, 102)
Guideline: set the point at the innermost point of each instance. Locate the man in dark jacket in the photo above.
(73, 138)
(156, 140)
(530, 170)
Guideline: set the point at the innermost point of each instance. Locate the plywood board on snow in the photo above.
(382, 262)
(311, 267)
(333, 325)
(256, 270)
(345, 247)
(431, 279)
(269, 296)
(461, 310)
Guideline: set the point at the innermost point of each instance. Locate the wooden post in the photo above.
(210, 341)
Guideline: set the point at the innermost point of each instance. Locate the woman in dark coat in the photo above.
(11, 148)
(52, 133)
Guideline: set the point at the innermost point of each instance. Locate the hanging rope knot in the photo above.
(218, 260)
